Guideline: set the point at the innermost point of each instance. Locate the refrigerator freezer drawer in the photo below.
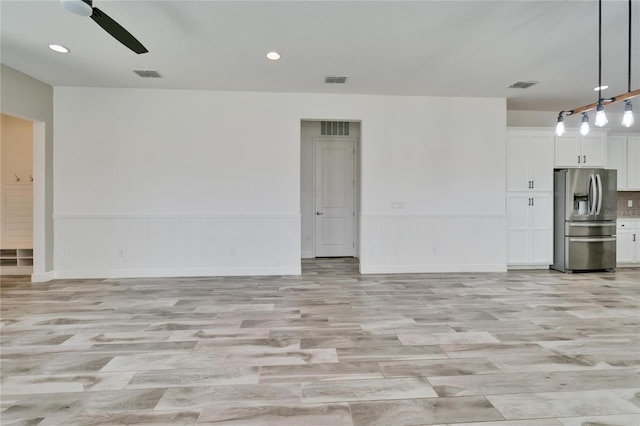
(590, 229)
(586, 254)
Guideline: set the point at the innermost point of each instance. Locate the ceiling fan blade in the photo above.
(117, 31)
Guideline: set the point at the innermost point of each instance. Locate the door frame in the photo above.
(307, 184)
(356, 192)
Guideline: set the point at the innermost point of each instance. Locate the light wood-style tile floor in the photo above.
(328, 348)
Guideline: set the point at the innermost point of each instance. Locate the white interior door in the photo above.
(334, 197)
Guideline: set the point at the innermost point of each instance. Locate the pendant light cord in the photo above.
(600, 50)
(629, 74)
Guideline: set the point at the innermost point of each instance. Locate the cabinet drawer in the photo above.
(585, 254)
(628, 224)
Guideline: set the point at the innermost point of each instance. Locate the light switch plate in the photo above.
(629, 203)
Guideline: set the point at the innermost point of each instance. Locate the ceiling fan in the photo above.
(85, 8)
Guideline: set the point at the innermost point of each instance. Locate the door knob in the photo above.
(319, 214)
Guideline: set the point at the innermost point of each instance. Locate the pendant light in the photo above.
(560, 130)
(627, 117)
(601, 118)
(584, 127)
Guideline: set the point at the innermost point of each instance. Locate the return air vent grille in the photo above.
(335, 79)
(522, 84)
(334, 128)
(148, 73)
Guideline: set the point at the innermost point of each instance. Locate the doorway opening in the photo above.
(339, 267)
(330, 188)
(16, 195)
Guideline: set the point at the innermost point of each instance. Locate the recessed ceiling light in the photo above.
(274, 56)
(595, 89)
(58, 48)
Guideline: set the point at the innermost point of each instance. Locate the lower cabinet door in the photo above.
(542, 229)
(529, 229)
(626, 246)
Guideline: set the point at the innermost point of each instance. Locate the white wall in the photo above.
(156, 182)
(173, 152)
(442, 156)
(25, 97)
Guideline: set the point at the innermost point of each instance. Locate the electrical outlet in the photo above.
(629, 203)
(397, 205)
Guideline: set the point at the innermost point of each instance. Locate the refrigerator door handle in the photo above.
(593, 194)
(592, 224)
(599, 180)
(591, 240)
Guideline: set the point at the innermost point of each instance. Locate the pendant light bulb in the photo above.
(627, 117)
(601, 117)
(584, 127)
(560, 126)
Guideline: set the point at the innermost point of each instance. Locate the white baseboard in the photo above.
(307, 255)
(419, 269)
(42, 277)
(520, 267)
(187, 272)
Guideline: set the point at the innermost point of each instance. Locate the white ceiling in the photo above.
(434, 48)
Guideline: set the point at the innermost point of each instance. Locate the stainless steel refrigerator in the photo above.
(585, 203)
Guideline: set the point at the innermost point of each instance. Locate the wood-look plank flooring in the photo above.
(328, 348)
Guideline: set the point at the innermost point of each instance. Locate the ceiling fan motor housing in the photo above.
(78, 7)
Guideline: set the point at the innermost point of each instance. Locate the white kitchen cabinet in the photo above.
(623, 154)
(574, 150)
(633, 163)
(530, 160)
(529, 229)
(628, 242)
(617, 158)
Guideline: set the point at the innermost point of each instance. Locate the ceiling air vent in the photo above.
(148, 73)
(334, 128)
(335, 79)
(522, 84)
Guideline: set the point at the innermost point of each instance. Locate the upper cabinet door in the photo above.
(575, 150)
(568, 150)
(594, 150)
(530, 161)
(633, 163)
(518, 163)
(542, 162)
(617, 159)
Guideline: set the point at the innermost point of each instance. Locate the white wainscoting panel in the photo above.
(116, 246)
(416, 243)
